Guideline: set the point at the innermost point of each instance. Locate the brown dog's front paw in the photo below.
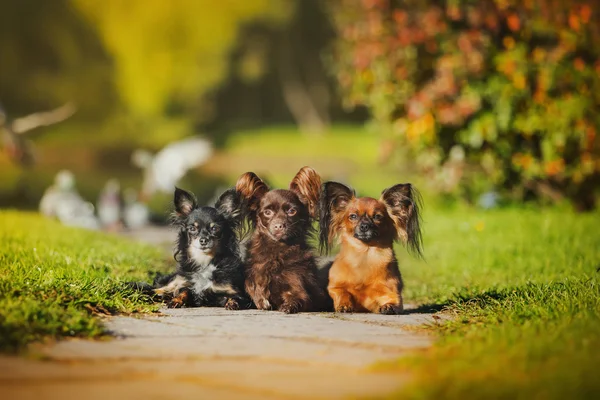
(289, 308)
(344, 309)
(388, 309)
(232, 304)
(263, 304)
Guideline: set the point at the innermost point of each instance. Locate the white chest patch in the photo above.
(202, 278)
(201, 258)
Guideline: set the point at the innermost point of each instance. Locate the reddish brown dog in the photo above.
(365, 276)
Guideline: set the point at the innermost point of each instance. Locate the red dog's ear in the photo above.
(335, 197)
(403, 202)
(307, 186)
(252, 189)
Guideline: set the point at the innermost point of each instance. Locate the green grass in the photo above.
(523, 289)
(53, 279)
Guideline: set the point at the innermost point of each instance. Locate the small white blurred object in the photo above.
(163, 170)
(488, 200)
(109, 205)
(135, 214)
(61, 201)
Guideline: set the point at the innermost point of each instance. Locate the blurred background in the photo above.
(485, 103)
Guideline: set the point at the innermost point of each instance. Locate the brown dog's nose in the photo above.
(278, 226)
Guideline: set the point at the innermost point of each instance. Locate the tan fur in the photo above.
(364, 276)
(307, 185)
(251, 187)
(173, 288)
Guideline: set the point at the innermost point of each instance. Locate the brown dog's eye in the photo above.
(353, 217)
(268, 213)
(378, 217)
(291, 212)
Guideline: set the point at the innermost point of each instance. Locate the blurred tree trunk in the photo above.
(305, 92)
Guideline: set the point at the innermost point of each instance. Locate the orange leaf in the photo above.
(513, 22)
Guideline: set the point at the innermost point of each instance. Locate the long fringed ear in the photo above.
(335, 197)
(252, 189)
(307, 186)
(230, 205)
(184, 202)
(403, 202)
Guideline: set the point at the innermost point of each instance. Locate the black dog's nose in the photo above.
(364, 227)
(203, 241)
(278, 226)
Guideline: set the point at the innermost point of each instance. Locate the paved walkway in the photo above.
(214, 353)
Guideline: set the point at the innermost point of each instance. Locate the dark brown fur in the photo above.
(364, 276)
(281, 271)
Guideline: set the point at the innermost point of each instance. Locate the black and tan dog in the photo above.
(209, 267)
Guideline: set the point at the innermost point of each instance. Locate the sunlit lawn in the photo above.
(523, 288)
(54, 279)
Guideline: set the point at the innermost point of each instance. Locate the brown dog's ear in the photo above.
(335, 197)
(403, 202)
(307, 186)
(252, 189)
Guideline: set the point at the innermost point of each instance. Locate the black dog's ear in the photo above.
(229, 205)
(403, 202)
(307, 186)
(335, 197)
(184, 202)
(252, 189)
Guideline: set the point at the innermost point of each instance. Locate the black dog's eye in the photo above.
(291, 212)
(214, 228)
(268, 213)
(193, 228)
(353, 217)
(378, 217)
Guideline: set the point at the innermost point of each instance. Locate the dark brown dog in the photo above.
(364, 276)
(281, 271)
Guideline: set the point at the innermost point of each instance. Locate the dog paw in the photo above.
(175, 303)
(289, 308)
(344, 309)
(232, 304)
(388, 309)
(263, 304)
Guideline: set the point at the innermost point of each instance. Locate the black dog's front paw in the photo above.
(388, 309)
(290, 308)
(179, 301)
(232, 304)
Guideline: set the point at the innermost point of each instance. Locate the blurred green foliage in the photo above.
(166, 54)
(485, 93)
(137, 71)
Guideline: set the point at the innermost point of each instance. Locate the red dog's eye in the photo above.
(291, 212)
(268, 213)
(353, 217)
(378, 217)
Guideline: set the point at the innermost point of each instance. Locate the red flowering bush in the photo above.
(502, 92)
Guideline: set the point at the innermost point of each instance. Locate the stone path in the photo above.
(214, 353)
